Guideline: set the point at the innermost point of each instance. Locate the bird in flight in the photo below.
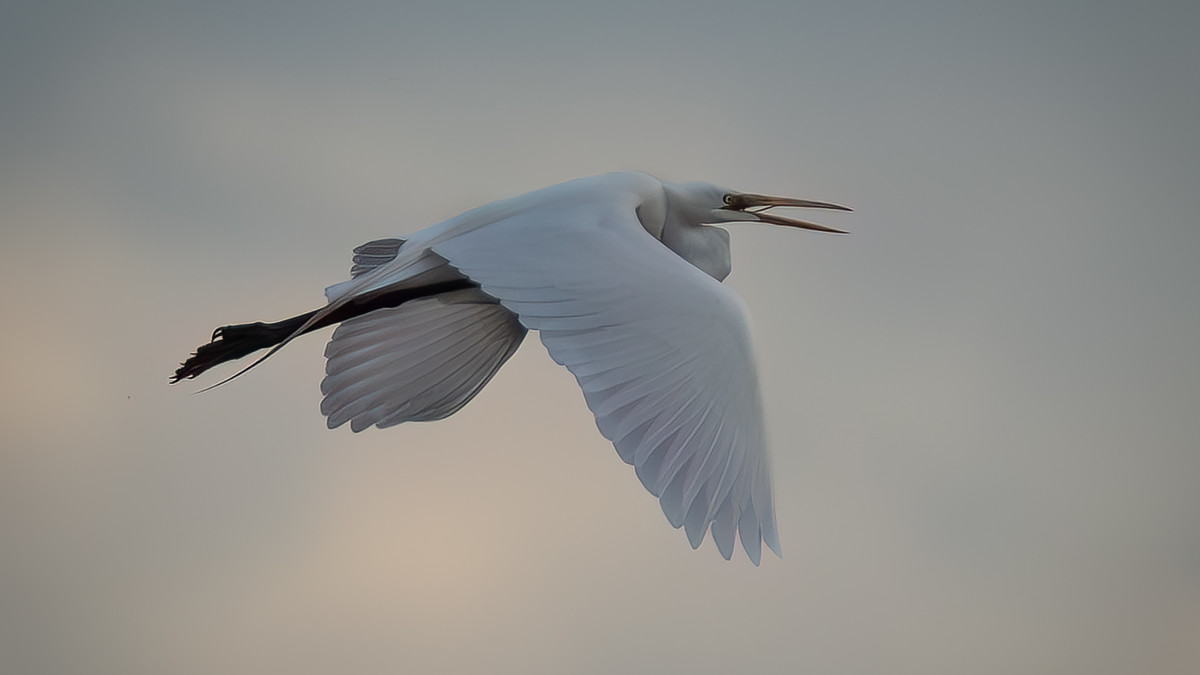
(620, 274)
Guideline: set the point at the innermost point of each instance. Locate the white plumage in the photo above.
(620, 275)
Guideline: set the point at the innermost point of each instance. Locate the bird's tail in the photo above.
(230, 343)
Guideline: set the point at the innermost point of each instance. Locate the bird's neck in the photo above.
(704, 246)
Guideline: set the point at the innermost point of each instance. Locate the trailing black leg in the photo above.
(230, 343)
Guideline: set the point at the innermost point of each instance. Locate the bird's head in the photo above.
(690, 208)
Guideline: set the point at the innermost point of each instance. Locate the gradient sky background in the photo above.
(984, 405)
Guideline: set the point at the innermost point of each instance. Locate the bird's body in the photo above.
(620, 275)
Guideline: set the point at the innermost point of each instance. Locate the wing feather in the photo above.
(374, 254)
(667, 368)
(423, 360)
(416, 354)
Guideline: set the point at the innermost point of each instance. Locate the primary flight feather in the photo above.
(620, 275)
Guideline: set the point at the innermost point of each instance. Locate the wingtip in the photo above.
(773, 544)
(754, 553)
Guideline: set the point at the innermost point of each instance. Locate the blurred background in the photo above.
(982, 405)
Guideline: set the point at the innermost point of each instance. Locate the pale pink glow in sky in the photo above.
(981, 404)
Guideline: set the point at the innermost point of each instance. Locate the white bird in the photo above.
(620, 275)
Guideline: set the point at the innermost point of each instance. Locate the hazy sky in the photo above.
(983, 406)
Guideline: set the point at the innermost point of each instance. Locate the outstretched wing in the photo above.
(661, 350)
(421, 361)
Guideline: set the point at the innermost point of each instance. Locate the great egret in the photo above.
(620, 275)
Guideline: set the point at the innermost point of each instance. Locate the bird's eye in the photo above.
(729, 199)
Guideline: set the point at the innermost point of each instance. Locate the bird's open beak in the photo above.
(744, 202)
